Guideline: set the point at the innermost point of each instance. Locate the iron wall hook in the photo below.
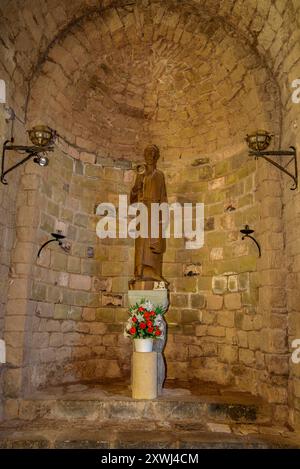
(247, 234)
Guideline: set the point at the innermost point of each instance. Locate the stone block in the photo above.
(233, 301)
(173, 316)
(90, 267)
(201, 330)
(89, 314)
(105, 284)
(74, 264)
(18, 289)
(110, 340)
(186, 284)
(233, 283)
(178, 300)
(47, 355)
(216, 254)
(209, 224)
(89, 158)
(254, 340)
(216, 331)
(197, 301)
(56, 339)
(59, 260)
(14, 356)
(242, 339)
(112, 299)
(190, 315)
(15, 323)
(16, 307)
(98, 328)
(40, 339)
(243, 281)
(246, 356)
(80, 282)
(74, 313)
(13, 382)
(190, 270)
(72, 338)
(219, 284)
(105, 315)
(62, 354)
(226, 318)
(277, 364)
(228, 353)
(121, 315)
(112, 268)
(61, 311)
(274, 340)
(214, 302)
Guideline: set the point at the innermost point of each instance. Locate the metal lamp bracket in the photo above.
(291, 153)
(31, 152)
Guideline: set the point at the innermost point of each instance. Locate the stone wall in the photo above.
(77, 299)
(8, 210)
(193, 80)
(289, 70)
(213, 319)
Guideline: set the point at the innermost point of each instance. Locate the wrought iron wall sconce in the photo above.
(247, 232)
(57, 237)
(42, 138)
(259, 141)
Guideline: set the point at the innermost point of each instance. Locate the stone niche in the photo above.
(184, 79)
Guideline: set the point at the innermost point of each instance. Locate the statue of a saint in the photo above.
(149, 187)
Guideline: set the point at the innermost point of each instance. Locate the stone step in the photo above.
(171, 407)
(53, 434)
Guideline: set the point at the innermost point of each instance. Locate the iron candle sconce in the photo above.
(259, 141)
(42, 138)
(57, 237)
(247, 232)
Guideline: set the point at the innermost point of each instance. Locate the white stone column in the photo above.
(157, 298)
(144, 375)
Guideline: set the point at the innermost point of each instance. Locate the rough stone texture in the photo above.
(66, 417)
(193, 78)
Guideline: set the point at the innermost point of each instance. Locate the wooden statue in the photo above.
(149, 187)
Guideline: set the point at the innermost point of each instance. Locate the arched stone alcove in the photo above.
(194, 79)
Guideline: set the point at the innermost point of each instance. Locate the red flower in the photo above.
(142, 325)
(157, 332)
(150, 329)
(132, 330)
(134, 319)
(141, 309)
(146, 315)
(152, 313)
(149, 323)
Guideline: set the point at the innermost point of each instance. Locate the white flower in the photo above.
(158, 320)
(148, 305)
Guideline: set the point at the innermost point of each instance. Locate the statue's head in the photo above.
(151, 154)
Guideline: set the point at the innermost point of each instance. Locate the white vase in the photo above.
(143, 345)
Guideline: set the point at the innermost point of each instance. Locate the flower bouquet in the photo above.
(145, 321)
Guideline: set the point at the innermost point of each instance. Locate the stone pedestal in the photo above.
(158, 298)
(144, 375)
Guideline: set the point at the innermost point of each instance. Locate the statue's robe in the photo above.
(149, 251)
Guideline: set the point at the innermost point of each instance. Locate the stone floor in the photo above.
(105, 416)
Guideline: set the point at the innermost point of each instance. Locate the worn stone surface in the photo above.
(180, 418)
